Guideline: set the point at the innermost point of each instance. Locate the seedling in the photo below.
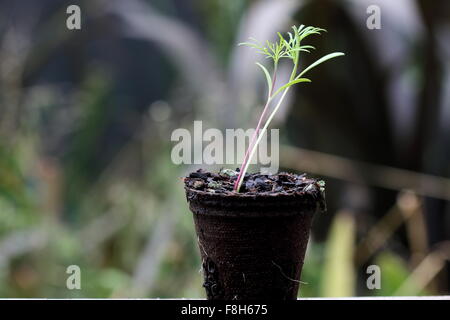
(289, 48)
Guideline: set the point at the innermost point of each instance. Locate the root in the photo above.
(284, 275)
(201, 246)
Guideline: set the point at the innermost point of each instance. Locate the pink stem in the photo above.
(255, 134)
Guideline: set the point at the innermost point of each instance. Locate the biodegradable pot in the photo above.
(252, 246)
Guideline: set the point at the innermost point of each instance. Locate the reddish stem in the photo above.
(255, 134)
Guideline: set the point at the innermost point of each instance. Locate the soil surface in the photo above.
(256, 183)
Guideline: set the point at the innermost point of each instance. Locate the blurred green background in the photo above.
(86, 116)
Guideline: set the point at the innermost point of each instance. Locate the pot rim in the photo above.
(237, 195)
(264, 205)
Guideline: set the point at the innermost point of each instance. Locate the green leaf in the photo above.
(395, 273)
(339, 275)
(287, 85)
(268, 77)
(247, 44)
(308, 47)
(321, 60)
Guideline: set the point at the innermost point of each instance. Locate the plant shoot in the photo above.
(288, 47)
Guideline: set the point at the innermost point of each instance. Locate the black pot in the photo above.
(252, 246)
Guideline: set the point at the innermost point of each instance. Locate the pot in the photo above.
(252, 246)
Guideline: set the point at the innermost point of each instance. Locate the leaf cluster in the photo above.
(285, 48)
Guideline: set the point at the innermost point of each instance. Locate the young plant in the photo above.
(284, 48)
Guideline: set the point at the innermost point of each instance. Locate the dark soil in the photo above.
(256, 184)
(223, 182)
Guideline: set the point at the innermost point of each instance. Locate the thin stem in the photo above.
(294, 70)
(238, 181)
(252, 146)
